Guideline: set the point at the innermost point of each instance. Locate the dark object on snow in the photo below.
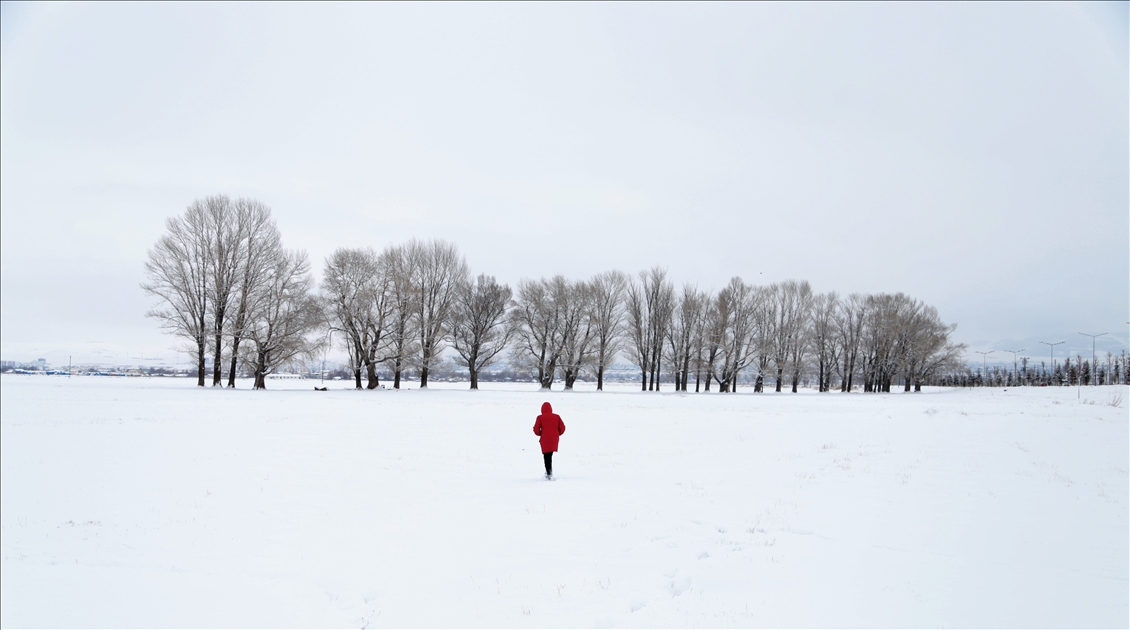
(550, 427)
(320, 389)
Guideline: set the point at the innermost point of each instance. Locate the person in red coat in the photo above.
(550, 427)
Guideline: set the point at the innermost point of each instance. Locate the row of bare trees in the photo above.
(227, 284)
(783, 332)
(404, 306)
(225, 281)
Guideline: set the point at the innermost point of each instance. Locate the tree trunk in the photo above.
(357, 377)
(234, 357)
(260, 371)
(371, 369)
(200, 364)
(600, 378)
(780, 377)
(396, 374)
(217, 371)
(424, 377)
(474, 376)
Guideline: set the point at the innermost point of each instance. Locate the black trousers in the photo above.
(548, 462)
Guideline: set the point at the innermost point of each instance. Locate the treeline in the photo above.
(1112, 370)
(227, 286)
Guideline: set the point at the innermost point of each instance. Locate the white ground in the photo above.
(150, 502)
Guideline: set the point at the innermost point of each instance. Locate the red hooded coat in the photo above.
(549, 426)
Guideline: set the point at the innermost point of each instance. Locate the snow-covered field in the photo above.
(150, 502)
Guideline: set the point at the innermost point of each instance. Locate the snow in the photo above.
(150, 502)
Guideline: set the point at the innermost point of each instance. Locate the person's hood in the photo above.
(546, 408)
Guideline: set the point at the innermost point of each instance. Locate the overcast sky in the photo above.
(974, 156)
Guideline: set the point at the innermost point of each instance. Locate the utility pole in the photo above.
(1014, 353)
(1051, 358)
(1093, 338)
(984, 365)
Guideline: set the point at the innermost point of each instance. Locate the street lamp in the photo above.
(984, 357)
(1093, 337)
(1014, 353)
(1052, 346)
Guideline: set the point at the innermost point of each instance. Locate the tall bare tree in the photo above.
(400, 269)
(283, 316)
(928, 350)
(479, 324)
(792, 302)
(177, 270)
(578, 330)
(649, 307)
(734, 311)
(682, 334)
(849, 326)
(825, 341)
(440, 268)
(258, 239)
(607, 316)
(537, 323)
(799, 340)
(223, 270)
(351, 280)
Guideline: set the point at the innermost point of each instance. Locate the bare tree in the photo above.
(479, 323)
(379, 318)
(439, 270)
(849, 326)
(178, 268)
(714, 325)
(799, 340)
(927, 350)
(825, 341)
(223, 269)
(883, 339)
(578, 330)
(537, 325)
(701, 356)
(400, 270)
(682, 334)
(607, 316)
(763, 343)
(734, 311)
(792, 302)
(649, 307)
(639, 333)
(350, 282)
(258, 239)
(283, 314)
